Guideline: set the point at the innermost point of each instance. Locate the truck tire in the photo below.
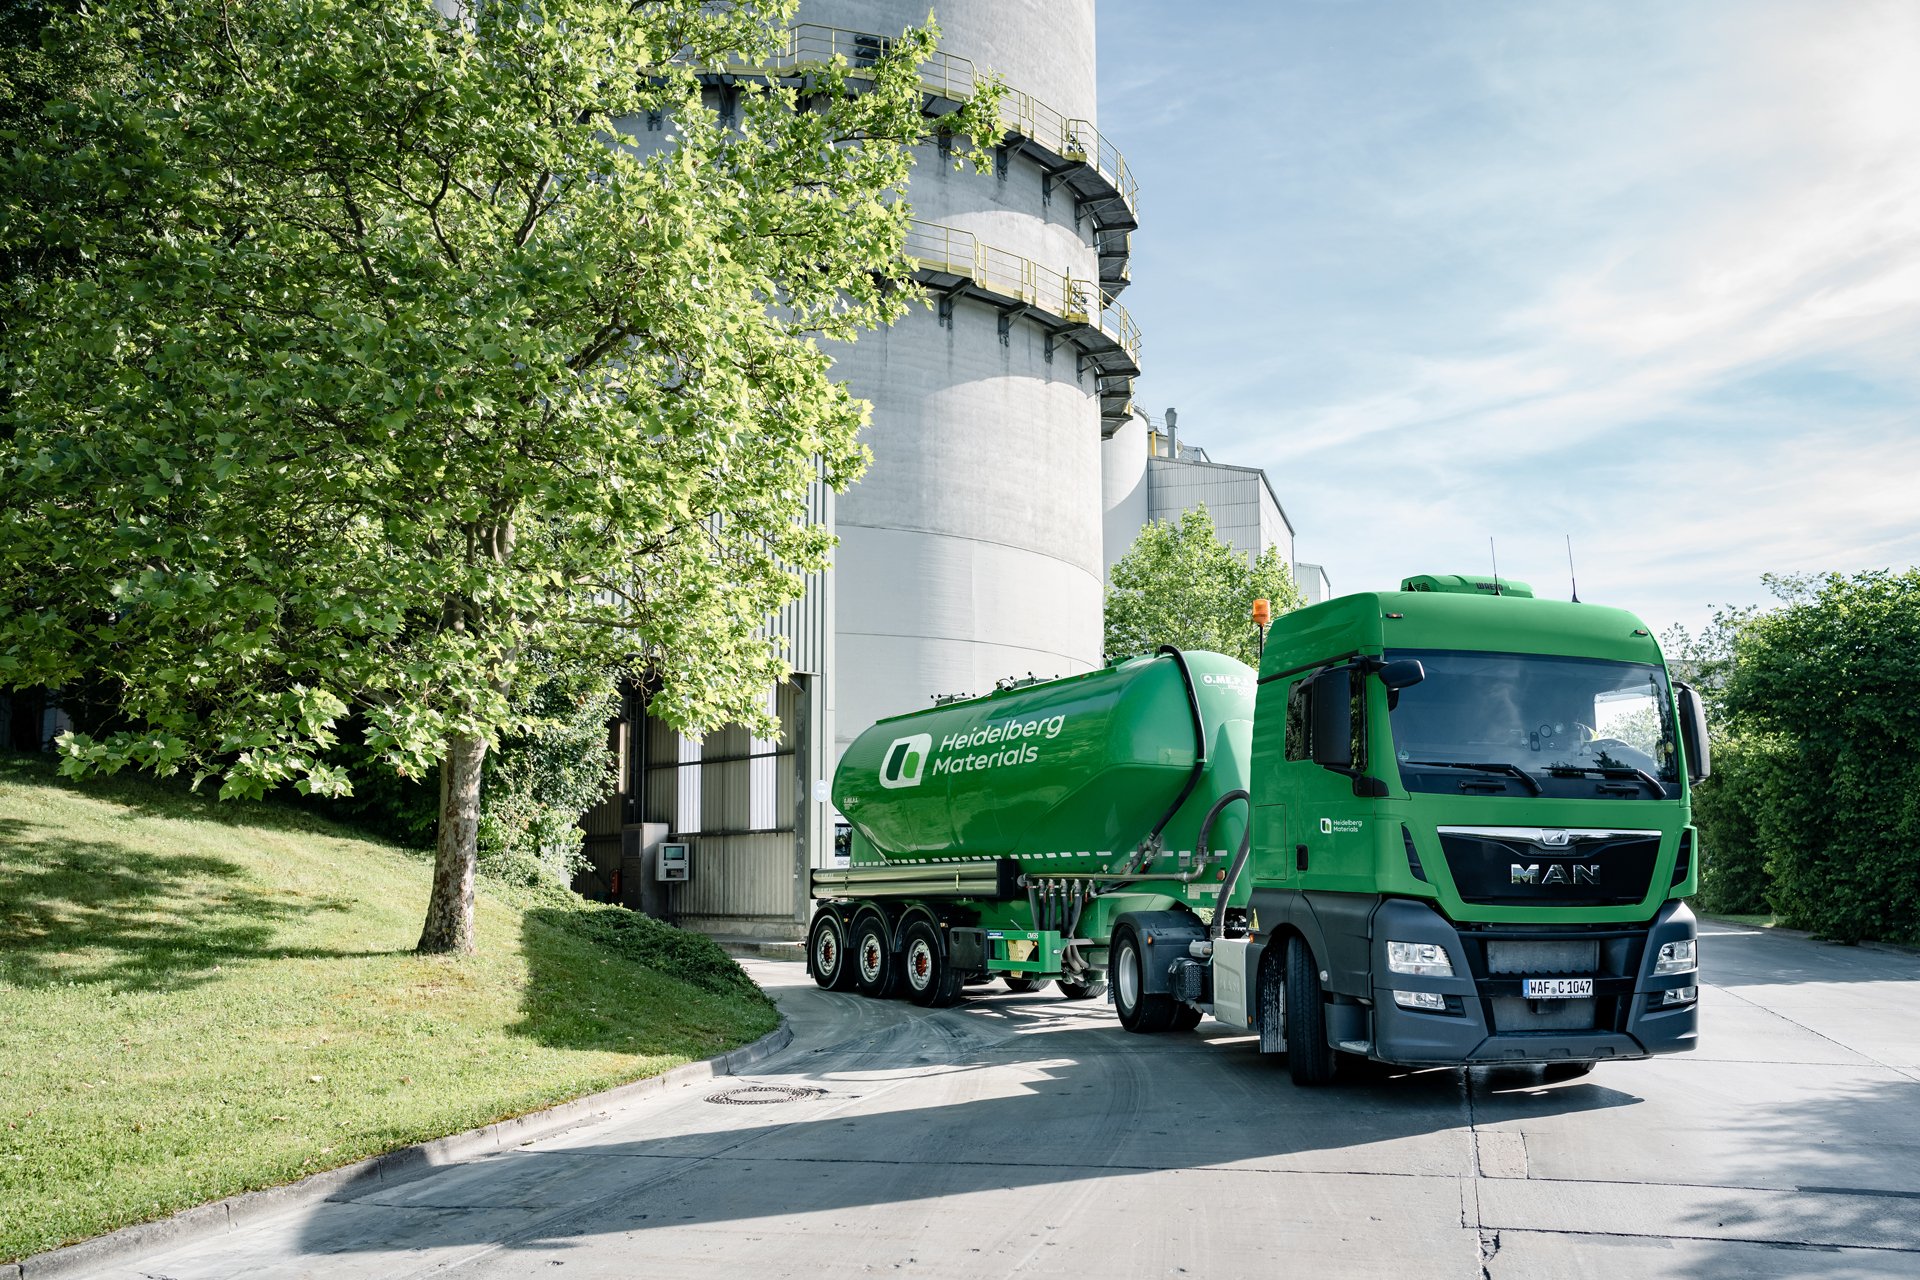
(1185, 1018)
(874, 970)
(1081, 990)
(1019, 986)
(827, 952)
(926, 972)
(1309, 1056)
(1139, 1010)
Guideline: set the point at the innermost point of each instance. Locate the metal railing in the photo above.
(956, 252)
(955, 78)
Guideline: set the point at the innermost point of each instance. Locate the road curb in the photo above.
(221, 1216)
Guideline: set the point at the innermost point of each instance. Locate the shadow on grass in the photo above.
(107, 913)
(580, 985)
(171, 799)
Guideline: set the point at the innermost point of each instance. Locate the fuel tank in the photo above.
(1062, 776)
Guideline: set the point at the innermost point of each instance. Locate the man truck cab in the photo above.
(1470, 836)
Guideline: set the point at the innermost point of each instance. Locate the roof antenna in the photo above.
(1570, 577)
(1496, 566)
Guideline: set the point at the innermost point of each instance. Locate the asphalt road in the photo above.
(1023, 1135)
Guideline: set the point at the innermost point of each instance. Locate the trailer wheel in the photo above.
(1081, 990)
(827, 949)
(929, 976)
(1140, 1010)
(873, 969)
(1185, 1018)
(1019, 986)
(1309, 1057)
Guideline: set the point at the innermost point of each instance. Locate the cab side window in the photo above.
(1300, 716)
(1299, 723)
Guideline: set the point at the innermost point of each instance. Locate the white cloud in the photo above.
(1707, 238)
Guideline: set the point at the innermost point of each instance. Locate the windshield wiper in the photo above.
(1488, 766)
(1608, 771)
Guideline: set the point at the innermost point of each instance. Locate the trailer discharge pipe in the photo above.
(1218, 927)
(1200, 864)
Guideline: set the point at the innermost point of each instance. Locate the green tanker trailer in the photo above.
(1443, 825)
(1006, 834)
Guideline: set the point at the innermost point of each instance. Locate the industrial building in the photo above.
(1150, 475)
(1003, 434)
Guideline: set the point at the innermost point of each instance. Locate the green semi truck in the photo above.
(1442, 825)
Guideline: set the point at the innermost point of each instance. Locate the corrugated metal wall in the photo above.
(744, 804)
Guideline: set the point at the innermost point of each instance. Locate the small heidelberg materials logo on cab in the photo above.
(906, 761)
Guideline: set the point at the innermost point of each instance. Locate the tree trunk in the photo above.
(449, 924)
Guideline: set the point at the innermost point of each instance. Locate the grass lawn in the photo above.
(200, 999)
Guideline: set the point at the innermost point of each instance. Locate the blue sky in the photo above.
(1646, 274)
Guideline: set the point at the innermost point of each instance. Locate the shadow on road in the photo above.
(1004, 1093)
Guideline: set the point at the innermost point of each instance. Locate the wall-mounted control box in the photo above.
(673, 863)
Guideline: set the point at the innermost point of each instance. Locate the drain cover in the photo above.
(759, 1094)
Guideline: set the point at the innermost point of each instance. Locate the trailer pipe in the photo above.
(1199, 748)
(1217, 928)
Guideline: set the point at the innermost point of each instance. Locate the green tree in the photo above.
(1179, 584)
(390, 355)
(1828, 690)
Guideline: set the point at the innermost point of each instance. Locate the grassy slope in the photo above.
(197, 1000)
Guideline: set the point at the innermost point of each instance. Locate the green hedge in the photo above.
(1818, 764)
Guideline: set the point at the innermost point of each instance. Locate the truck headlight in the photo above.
(1425, 959)
(1675, 957)
(1431, 1001)
(1680, 995)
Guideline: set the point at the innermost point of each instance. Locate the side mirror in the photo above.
(1693, 734)
(1330, 699)
(1402, 673)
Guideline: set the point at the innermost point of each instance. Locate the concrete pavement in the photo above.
(1027, 1135)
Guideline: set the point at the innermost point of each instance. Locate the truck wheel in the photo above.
(931, 980)
(1019, 986)
(1185, 1018)
(1139, 1010)
(873, 967)
(1309, 1057)
(827, 949)
(1081, 990)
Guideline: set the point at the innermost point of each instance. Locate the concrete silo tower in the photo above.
(972, 549)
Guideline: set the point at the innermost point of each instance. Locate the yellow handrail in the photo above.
(958, 252)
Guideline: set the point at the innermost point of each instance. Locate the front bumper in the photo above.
(1488, 1021)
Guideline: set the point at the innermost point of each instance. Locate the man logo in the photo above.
(1556, 839)
(905, 762)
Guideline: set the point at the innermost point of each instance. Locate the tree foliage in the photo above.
(1830, 684)
(392, 350)
(1180, 584)
(1815, 715)
(546, 773)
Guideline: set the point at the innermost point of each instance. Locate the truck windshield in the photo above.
(1534, 725)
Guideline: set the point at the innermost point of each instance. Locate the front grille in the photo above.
(1495, 866)
(1501, 957)
(1540, 959)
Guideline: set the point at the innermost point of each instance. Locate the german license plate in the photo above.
(1556, 988)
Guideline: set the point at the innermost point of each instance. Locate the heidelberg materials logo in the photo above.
(905, 763)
